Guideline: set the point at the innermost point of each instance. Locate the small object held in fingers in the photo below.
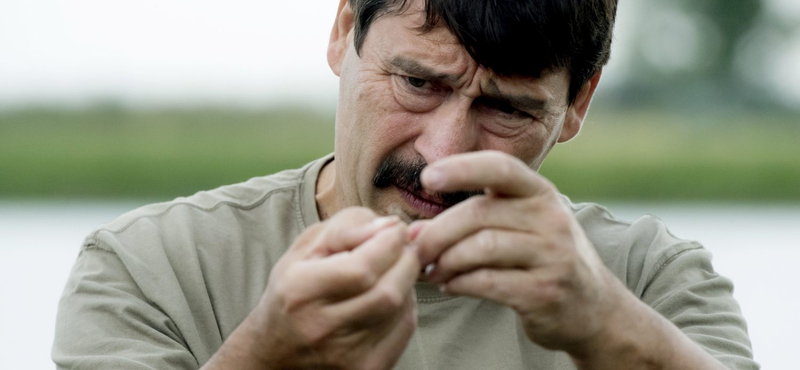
(396, 211)
(385, 221)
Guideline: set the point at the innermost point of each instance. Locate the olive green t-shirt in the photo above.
(163, 286)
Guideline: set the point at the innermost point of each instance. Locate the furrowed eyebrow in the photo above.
(521, 102)
(418, 70)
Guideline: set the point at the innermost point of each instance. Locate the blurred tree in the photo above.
(696, 53)
(732, 19)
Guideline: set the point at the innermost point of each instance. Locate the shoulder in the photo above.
(673, 276)
(184, 255)
(174, 264)
(635, 251)
(223, 208)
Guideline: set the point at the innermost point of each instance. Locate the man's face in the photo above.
(413, 98)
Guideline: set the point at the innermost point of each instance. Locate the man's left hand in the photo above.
(518, 245)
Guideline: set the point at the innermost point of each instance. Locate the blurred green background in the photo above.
(108, 105)
(695, 106)
(110, 152)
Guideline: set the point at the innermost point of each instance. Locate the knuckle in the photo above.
(389, 298)
(568, 274)
(291, 299)
(552, 245)
(487, 241)
(397, 234)
(479, 208)
(563, 253)
(549, 187)
(316, 337)
(551, 291)
(359, 275)
(315, 333)
(507, 168)
(448, 260)
(341, 235)
(560, 220)
(532, 205)
(308, 237)
(486, 280)
(331, 234)
(315, 229)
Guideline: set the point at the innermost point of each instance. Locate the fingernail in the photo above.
(442, 288)
(384, 221)
(433, 178)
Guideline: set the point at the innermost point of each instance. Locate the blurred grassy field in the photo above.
(116, 153)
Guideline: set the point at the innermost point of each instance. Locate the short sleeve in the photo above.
(688, 292)
(105, 322)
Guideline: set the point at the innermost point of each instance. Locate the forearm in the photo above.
(243, 350)
(641, 338)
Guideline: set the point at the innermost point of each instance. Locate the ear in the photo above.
(577, 111)
(340, 36)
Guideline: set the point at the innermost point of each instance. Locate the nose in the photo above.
(447, 131)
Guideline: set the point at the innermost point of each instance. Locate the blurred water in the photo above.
(755, 245)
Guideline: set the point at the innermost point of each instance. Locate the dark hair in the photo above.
(515, 37)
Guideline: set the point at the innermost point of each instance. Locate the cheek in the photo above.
(381, 119)
(359, 107)
(530, 145)
(370, 126)
(546, 141)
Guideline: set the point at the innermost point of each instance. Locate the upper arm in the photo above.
(687, 291)
(105, 321)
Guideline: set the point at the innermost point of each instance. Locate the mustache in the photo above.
(406, 175)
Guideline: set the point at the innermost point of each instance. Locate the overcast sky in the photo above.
(167, 52)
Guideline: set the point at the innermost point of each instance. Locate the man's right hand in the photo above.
(342, 297)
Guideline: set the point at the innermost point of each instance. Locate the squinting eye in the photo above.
(501, 108)
(507, 109)
(416, 82)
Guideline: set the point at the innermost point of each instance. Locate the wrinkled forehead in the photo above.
(402, 32)
(399, 35)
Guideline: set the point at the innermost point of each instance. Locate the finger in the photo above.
(317, 237)
(467, 218)
(488, 248)
(349, 229)
(347, 274)
(416, 227)
(510, 287)
(500, 172)
(382, 252)
(388, 350)
(385, 298)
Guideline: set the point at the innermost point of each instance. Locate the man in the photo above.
(446, 111)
